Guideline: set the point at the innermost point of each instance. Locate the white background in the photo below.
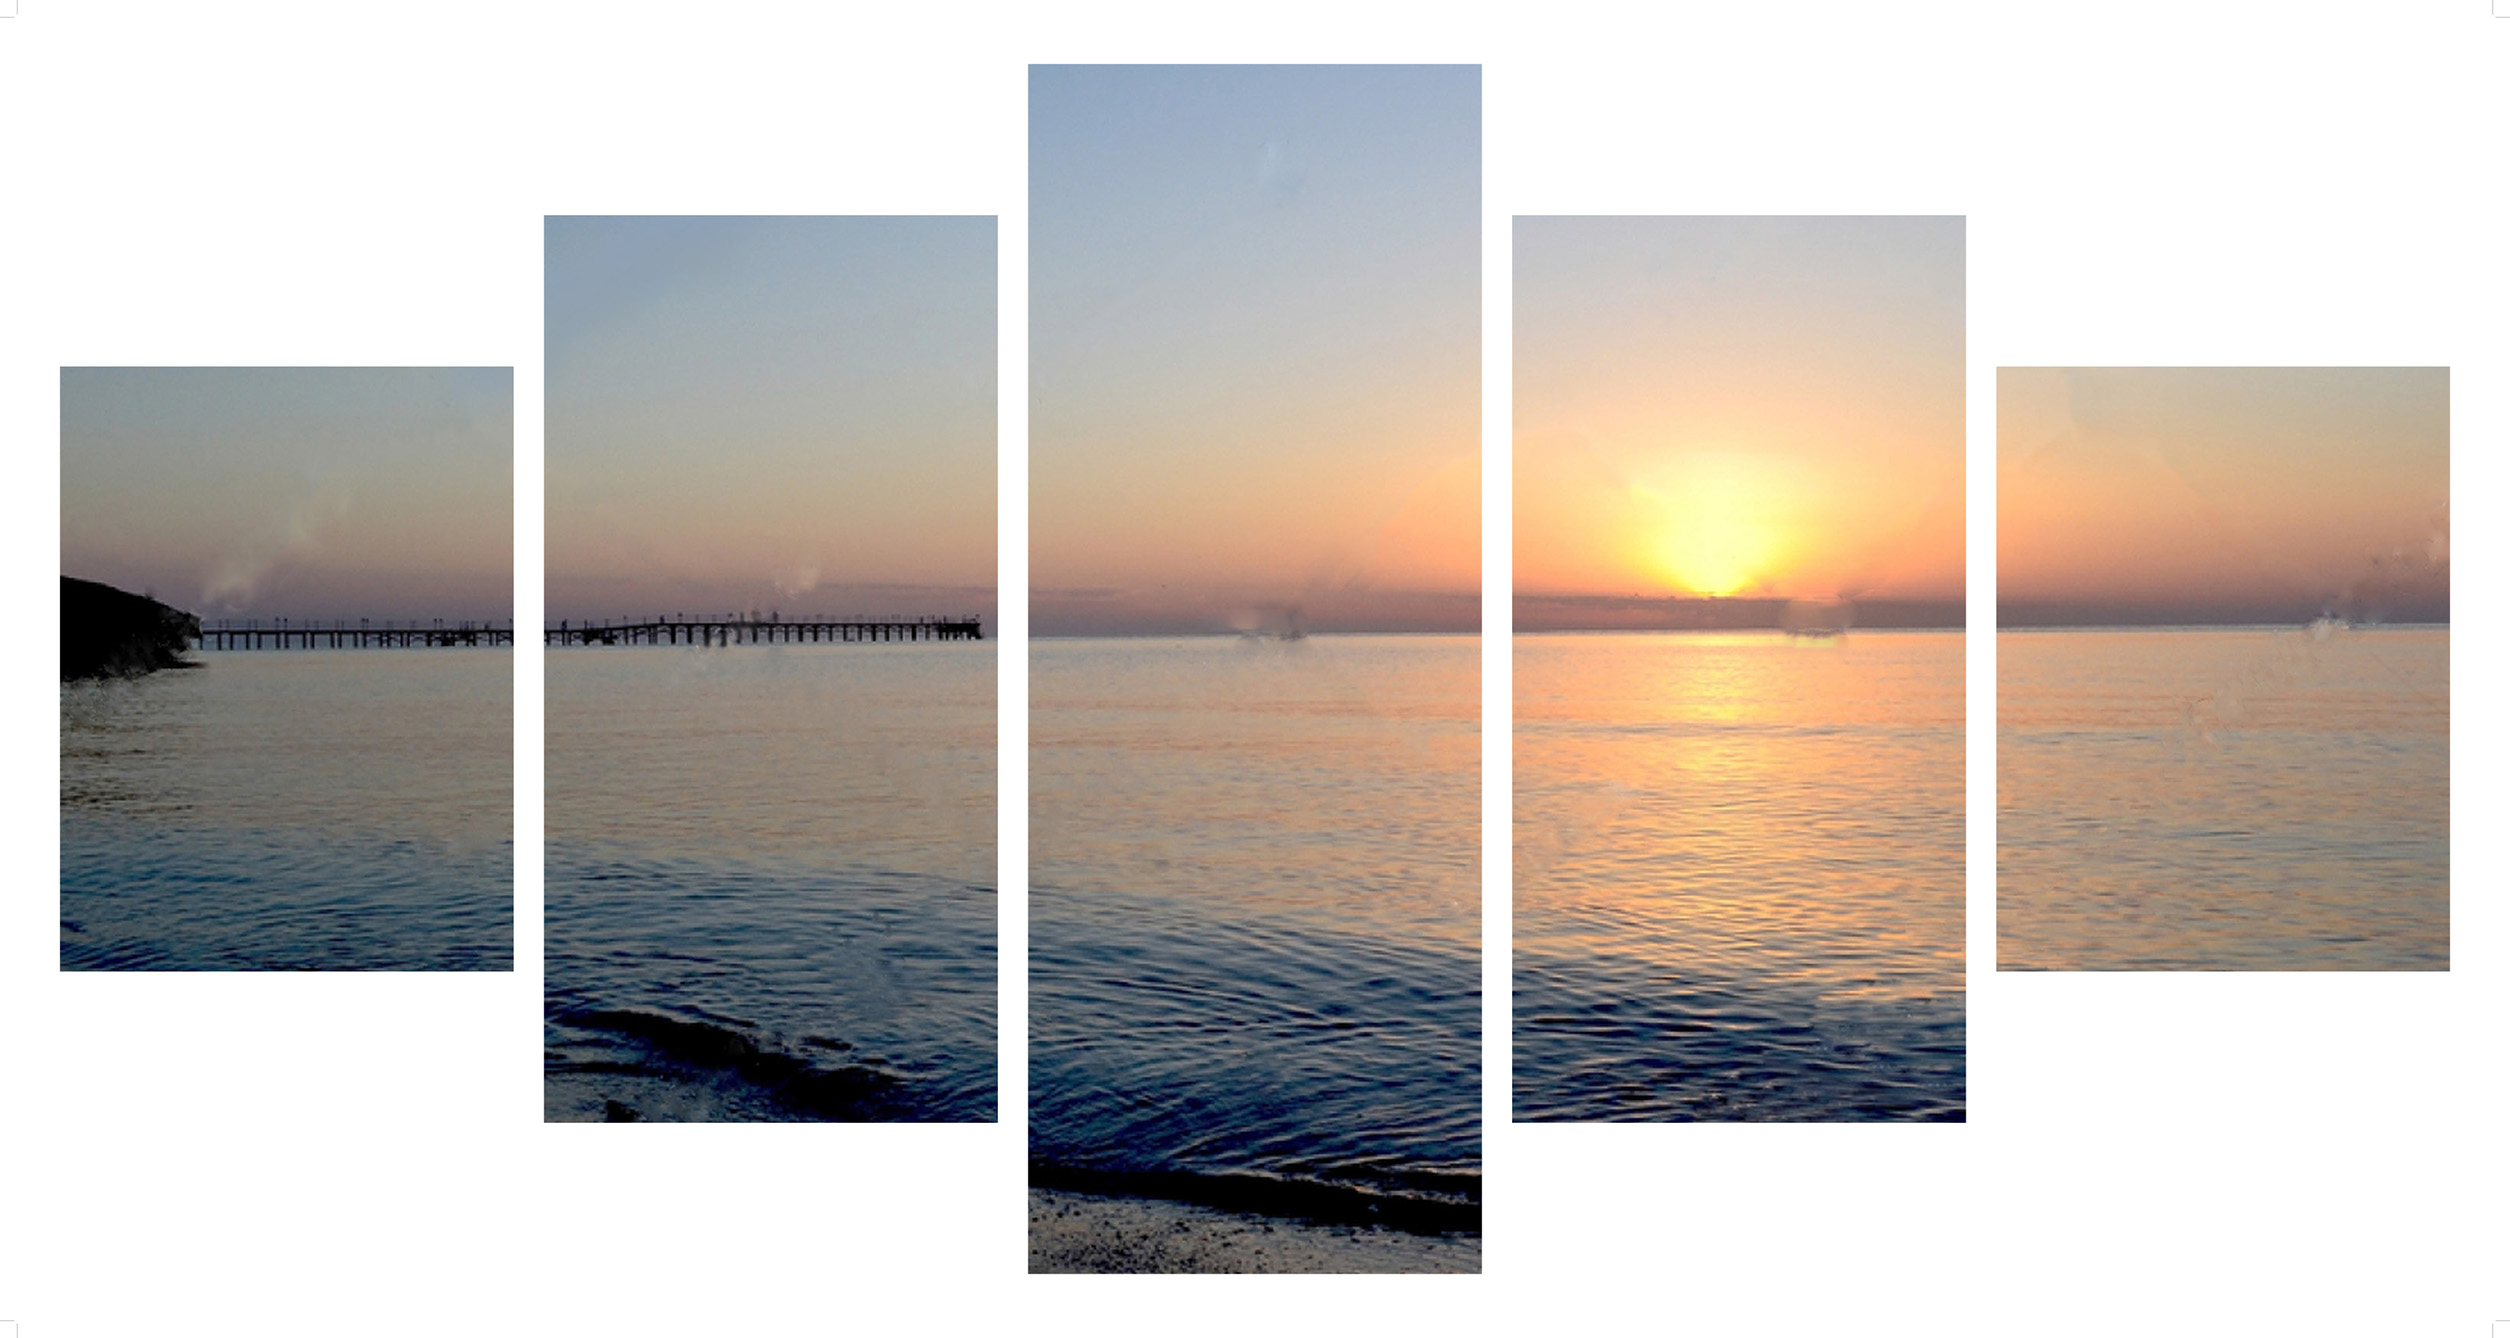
(244, 183)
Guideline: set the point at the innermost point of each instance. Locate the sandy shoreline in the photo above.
(1084, 1233)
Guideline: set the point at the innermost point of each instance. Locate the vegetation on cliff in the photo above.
(109, 633)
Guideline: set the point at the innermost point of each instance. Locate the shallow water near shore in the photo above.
(347, 810)
(1739, 877)
(2223, 799)
(1254, 925)
(770, 889)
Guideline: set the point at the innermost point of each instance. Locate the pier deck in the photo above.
(760, 631)
(340, 633)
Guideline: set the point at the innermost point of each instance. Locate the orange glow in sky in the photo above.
(2238, 491)
(1739, 406)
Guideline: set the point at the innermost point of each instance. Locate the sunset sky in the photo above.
(789, 413)
(1754, 407)
(325, 492)
(2221, 494)
(1255, 347)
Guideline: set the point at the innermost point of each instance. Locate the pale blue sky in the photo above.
(1254, 336)
(293, 492)
(789, 412)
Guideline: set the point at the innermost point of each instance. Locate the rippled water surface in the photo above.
(1254, 923)
(345, 810)
(771, 883)
(1739, 877)
(2244, 799)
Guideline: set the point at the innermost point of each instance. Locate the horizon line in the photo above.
(2356, 624)
(1232, 634)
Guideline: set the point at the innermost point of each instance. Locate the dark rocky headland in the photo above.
(109, 633)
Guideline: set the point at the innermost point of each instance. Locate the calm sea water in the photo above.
(1739, 877)
(771, 882)
(335, 810)
(2242, 799)
(1254, 923)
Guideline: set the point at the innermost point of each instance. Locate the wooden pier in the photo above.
(340, 633)
(757, 631)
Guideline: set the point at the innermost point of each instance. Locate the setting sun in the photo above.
(1711, 555)
(1712, 530)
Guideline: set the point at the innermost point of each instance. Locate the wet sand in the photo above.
(1084, 1233)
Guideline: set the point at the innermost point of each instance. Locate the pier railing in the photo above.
(758, 631)
(342, 633)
